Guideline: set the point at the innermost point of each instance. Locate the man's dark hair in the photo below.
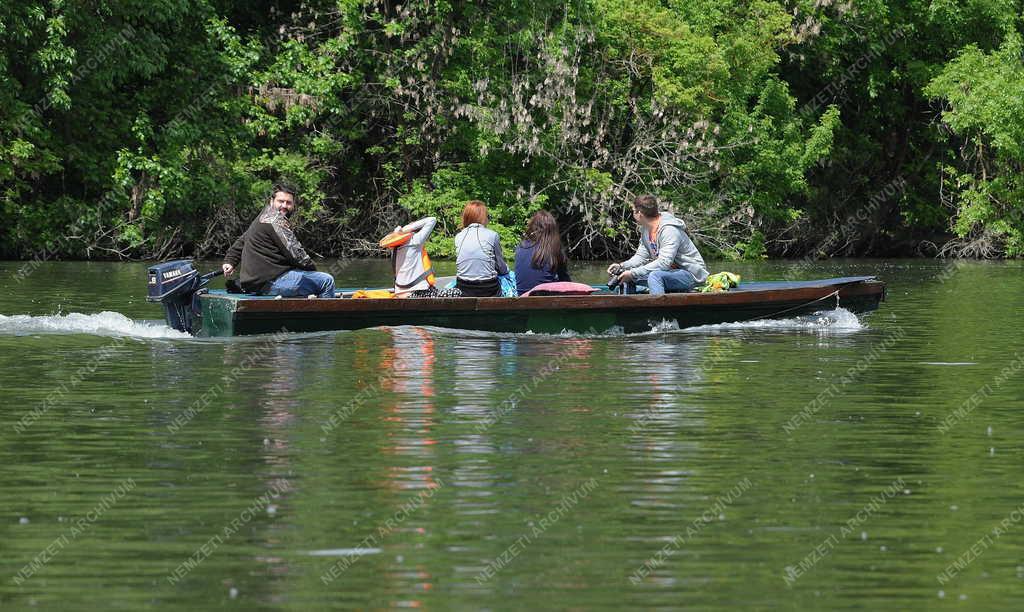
(646, 205)
(283, 187)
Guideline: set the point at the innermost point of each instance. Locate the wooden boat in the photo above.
(218, 313)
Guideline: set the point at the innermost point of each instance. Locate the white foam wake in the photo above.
(838, 320)
(99, 324)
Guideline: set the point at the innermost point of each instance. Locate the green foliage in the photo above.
(985, 97)
(754, 249)
(447, 192)
(156, 129)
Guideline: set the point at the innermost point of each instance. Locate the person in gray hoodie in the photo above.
(666, 260)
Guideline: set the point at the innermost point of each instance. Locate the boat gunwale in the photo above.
(853, 289)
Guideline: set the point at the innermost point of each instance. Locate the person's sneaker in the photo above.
(311, 297)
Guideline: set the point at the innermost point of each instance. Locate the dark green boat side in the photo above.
(225, 314)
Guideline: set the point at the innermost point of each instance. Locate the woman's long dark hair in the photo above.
(542, 230)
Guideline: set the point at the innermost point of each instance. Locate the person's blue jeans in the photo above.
(299, 283)
(661, 282)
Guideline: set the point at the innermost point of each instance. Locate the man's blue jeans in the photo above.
(299, 283)
(661, 282)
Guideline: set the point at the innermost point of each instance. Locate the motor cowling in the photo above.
(174, 284)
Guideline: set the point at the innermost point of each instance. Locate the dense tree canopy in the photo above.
(133, 128)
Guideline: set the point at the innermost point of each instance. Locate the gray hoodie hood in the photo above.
(670, 220)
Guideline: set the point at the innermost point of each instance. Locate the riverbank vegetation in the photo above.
(133, 129)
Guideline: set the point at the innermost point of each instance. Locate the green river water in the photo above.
(825, 462)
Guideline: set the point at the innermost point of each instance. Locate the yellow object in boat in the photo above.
(723, 281)
(373, 294)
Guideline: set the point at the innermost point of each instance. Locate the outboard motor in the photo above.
(175, 284)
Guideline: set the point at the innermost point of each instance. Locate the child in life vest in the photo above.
(414, 274)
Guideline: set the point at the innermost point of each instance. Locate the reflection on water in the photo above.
(396, 466)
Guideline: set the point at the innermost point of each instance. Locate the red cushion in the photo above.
(560, 288)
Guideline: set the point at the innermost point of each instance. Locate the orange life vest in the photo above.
(427, 274)
(429, 268)
(395, 240)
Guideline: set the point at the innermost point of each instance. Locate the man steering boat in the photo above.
(270, 259)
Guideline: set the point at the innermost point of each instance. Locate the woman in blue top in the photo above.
(540, 258)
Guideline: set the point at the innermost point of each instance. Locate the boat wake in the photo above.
(838, 320)
(100, 324)
(115, 324)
